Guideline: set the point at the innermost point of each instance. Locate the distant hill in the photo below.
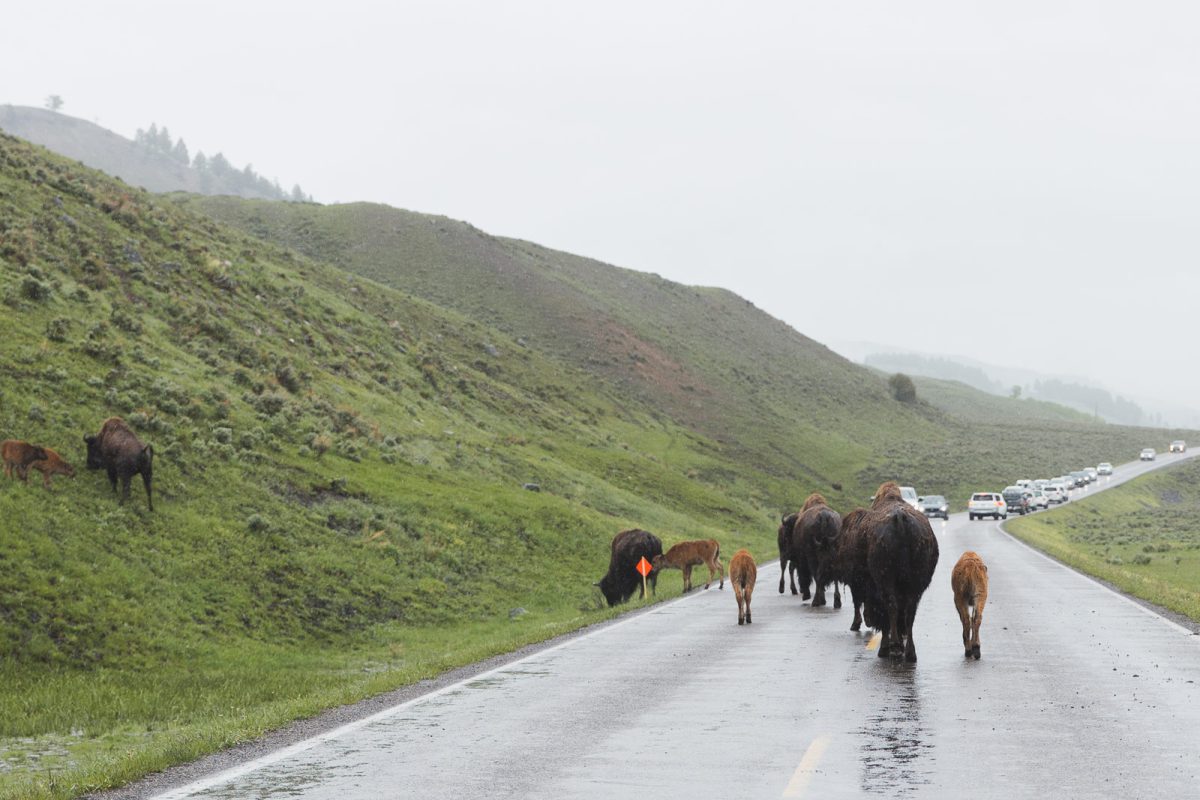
(149, 163)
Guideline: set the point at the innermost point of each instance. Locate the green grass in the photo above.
(1142, 536)
(339, 462)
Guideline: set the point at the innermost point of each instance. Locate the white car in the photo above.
(909, 494)
(1039, 500)
(987, 504)
(1055, 493)
(1104, 469)
(1148, 454)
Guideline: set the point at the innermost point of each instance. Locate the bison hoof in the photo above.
(968, 654)
(837, 602)
(805, 596)
(975, 652)
(817, 602)
(748, 620)
(741, 621)
(856, 626)
(794, 593)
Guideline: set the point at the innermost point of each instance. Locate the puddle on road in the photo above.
(897, 756)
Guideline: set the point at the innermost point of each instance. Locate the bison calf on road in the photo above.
(742, 574)
(686, 555)
(970, 583)
(52, 464)
(117, 450)
(622, 580)
(18, 456)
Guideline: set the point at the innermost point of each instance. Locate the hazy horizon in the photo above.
(1016, 183)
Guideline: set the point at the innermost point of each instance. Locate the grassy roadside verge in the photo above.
(1143, 537)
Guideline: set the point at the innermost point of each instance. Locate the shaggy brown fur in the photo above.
(813, 545)
(622, 580)
(848, 564)
(686, 555)
(52, 464)
(742, 574)
(787, 567)
(902, 554)
(18, 456)
(118, 451)
(970, 583)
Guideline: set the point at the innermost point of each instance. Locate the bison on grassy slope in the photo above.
(117, 450)
(622, 580)
(813, 543)
(686, 555)
(52, 464)
(902, 553)
(18, 456)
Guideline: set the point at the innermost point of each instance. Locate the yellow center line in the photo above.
(808, 765)
(874, 642)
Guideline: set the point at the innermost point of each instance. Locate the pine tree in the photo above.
(200, 162)
(180, 152)
(297, 194)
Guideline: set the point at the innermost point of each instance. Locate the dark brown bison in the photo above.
(52, 464)
(848, 563)
(742, 574)
(622, 580)
(813, 543)
(787, 567)
(969, 580)
(18, 456)
(685, 555)
(902, 553)
(117, 449)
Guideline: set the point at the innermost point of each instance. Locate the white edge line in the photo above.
(276, 756)
(1095, 581)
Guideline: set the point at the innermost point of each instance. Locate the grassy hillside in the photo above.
(1143, 536)
(114, 154)
(710, 360)
(339, 463)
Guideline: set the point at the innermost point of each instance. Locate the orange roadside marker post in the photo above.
(644, 568)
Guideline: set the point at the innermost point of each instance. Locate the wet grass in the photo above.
(1142, 536)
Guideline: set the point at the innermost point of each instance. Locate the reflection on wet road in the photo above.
(1080, 693)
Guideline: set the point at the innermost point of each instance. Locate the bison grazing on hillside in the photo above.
(686, 555)
(813, 544)
(902, 553)
(969, 580)
(52, 464)
(787, 567)
(117, 449)
(18, 456)
(742, 574)
(622, 580)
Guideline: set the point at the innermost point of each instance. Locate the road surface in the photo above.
(1080, 693)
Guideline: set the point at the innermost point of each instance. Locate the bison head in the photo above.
(94, 461)
(610, 590)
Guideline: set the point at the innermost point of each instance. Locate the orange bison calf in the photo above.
(742, 574)
(970, 583)
(52, 464)
(686, 555)
(18, 456)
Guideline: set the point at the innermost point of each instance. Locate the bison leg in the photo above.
(910, 615)
(23, 473)
(112, 478)
(741, 601)
(792, 570)
(964, 617)
(976, 621)
(818, 590)
(748, 591)
(720, 571)
(805, 576)
(891, 634)
(146, 483)
(687, 578)
(837, 595)
(783, 571)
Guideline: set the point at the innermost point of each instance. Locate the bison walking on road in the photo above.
(622, 580)
(848, 564)
(742, 574)
(902, 553)
(969, 580)
(813, 543)
(787, 567)
(117, 450)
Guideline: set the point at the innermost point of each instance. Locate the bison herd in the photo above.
(115, 449)
(885, 555)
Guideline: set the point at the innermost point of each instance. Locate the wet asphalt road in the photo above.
(1080, 693)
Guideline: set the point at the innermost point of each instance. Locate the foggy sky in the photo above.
(1015, 182)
